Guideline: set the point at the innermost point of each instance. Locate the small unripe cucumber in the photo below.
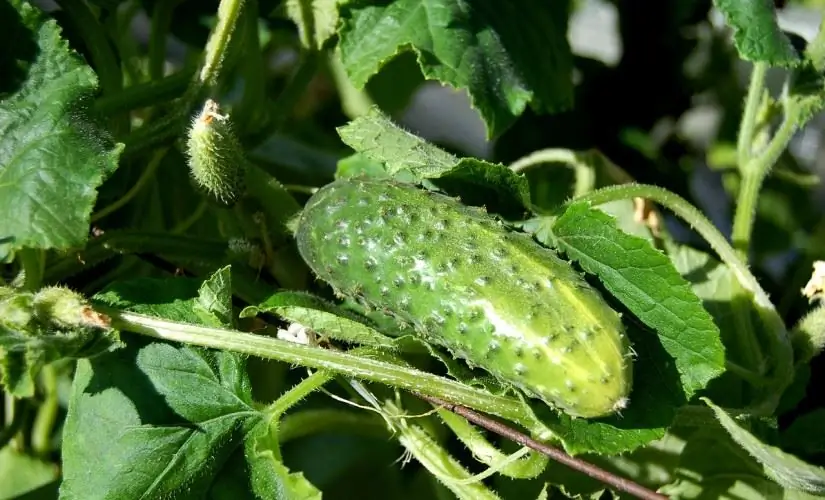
(491, 296)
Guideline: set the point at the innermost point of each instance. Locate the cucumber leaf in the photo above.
(756, 33)
(410, 158)
(486, 47)
(53, 153)
(194, 405)
(784, 468)
(645, 281)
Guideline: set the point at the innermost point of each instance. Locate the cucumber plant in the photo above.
(230, 271)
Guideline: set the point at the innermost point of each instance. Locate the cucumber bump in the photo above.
(490, 296)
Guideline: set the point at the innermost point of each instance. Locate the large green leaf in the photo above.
(22, 473)
(646, 282)
(53, 156)
(784, 468)
(192, 405)
(756, 32)
(712, 466)
(316, 20)
(506, 54)
(409, 157)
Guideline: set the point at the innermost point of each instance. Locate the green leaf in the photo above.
(487, 47)
(715, 285)
(645, 281)
(23, 473)
(379, 139)
(40, 328)
(409, 157)
(268, 471)
(322, 317)
(359, 165)
(784, 468)
(53, 156)
(214, 302)
(193, 405)
(316, 20)
(757, 35)
(712, 466)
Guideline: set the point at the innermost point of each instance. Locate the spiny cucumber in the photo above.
(489, 295)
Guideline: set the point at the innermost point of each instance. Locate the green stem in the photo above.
(161, 22)
(47, 412)
(746, 374)
(336, 362)
(228, 13)
(253, 64)
(145, 94)
(17, 409)
(694, 218)
(145, 176)
(775, 325)
(294, 396)
(94, 37)
(119, 30)
(747, 127)
(585, 173)
(439, 462)
(753, 175)
(165, 129)
(186, 223)
(283, 105)
(486, 453)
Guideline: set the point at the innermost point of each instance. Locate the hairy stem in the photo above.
(47, 412)
(304, 388)
(228, 13)
(585, 173)
(485, 452)
(747, 126)
(753, 175)
(345, 363)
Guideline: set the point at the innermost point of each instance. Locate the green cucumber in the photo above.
(491, 296)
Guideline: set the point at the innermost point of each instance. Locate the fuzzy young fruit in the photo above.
(491, 296)
(216, 157)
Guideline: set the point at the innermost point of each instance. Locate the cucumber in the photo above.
(489, 295)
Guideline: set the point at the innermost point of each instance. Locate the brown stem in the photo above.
(556, 454)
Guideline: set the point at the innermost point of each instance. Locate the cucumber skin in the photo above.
(493, 297)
